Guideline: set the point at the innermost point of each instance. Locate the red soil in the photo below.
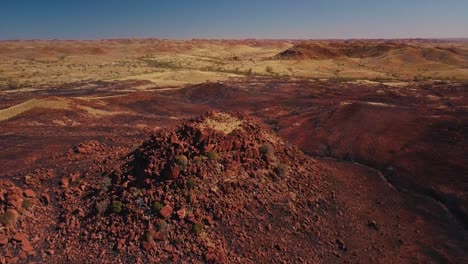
(242, 206)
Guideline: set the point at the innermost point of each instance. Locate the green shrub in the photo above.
(191, 182)
(212, 155)
(182, 161)
(106, 183)
(267, 150)
(137, 192)
(117, 207)
(281, 170)
(157, 206)
(198, 160)
(198, 228)
(27, 204)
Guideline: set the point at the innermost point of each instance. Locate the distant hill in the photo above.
(387, 51)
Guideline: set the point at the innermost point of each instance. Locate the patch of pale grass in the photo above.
(18, 109)
(222, 122)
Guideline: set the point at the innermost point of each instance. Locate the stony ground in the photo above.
(161, 180)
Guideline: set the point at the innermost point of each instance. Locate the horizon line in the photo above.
(229, 39)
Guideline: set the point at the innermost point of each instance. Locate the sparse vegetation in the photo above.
(212, 155)
(267, 150)
(182, 161)
(27, 204)
(198, 228)
(117, 207)
(137, 192)
(161, 64)
(198, 160)
(191, 182)
(281, 170)
(102, 206)
(106, 183)
(157, 206)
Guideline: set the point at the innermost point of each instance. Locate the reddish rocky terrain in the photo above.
(383, 180)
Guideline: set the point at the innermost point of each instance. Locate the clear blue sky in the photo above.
(185, 19)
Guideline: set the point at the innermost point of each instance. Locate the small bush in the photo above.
(137, 192)
(198, 160)
(157, 206)
(269, 69)
(106, 183)
(27, 204)
(163, 226)
(182, 161)
(117, 207)
(212, 155)
(198, 228)
(267, 150)
(191, 182)
(102, 206)
(281, 170)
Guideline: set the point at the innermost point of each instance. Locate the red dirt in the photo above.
(242, 206)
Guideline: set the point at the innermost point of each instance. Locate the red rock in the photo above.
(173, 172)
(166, 211)
(174, 139)
(74, 176)
(29, 193)
(181, 213)
(26, 246)
(81, 150)
(209, 220)
(64, 183)
(191, 218)
(19, 237)
(169, 248)
(121, 244)
(16, 204)
(147, 246)
(3, 240)
(372, 224)
(45, 198)
(14, 197)
(15, 190)
(203, 174)
(13, 260)
(208, 148)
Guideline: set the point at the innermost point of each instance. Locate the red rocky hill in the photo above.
(221, 188)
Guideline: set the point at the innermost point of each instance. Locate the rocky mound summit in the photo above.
(219, 188)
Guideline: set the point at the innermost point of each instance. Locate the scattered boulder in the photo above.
(166, 211)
